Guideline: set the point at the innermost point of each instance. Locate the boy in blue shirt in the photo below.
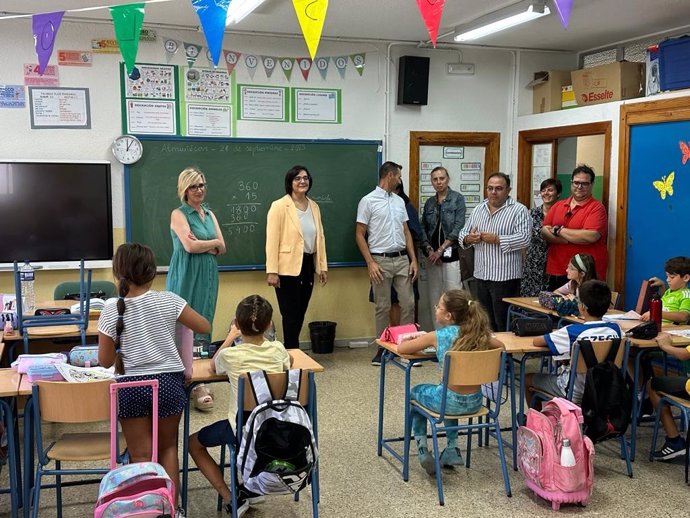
(594, 301)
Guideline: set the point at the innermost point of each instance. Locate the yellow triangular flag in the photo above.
(311, 15)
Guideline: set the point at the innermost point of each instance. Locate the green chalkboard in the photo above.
(244, 177)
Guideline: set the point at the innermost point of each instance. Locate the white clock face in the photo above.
(127, 149)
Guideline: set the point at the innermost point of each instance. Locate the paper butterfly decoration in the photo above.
(685, 149)
(665, 185)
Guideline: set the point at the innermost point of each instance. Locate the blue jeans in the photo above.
(430, 396)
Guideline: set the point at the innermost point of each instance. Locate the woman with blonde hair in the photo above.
(193, 273)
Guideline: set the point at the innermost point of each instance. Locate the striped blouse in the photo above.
(513, 225)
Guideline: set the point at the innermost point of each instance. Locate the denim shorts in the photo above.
(137, 401)
(216, 434)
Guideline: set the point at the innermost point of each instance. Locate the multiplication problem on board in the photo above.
(244, 208)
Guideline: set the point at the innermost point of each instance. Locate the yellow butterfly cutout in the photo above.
(665, 185)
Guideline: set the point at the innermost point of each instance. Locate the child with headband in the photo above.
(581, 268)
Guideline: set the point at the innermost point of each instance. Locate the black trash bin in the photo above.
(322, 334)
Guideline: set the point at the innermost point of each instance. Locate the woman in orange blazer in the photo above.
(295, 251)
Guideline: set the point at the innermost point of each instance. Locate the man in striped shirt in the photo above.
(498, 229)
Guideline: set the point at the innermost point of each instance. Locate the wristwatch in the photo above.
(557, 230)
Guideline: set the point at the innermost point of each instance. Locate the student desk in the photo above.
(391, 355)
(204, 371)
(532, 305)
(9, 384)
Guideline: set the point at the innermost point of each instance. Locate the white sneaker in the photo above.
(405, 362)
(180, 513)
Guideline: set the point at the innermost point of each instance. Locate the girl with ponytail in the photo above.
(464, 327)
(136, 334)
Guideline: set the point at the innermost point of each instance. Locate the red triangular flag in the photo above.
(431, 13)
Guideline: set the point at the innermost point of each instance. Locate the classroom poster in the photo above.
(206, 120)
(59, 108)
(155, 82)
(151, 117)
(12, 96)
(262, 103)
(32, 77)
(316, 105)
(206, 102)
(149, 103)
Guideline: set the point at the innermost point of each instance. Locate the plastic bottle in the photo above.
(26, 278)
(567, 455)
(655, 306)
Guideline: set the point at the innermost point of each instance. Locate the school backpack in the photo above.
(539, 445)
(278, 449)
(607, 397)
(142, 489)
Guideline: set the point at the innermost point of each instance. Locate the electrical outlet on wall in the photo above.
(461, 69)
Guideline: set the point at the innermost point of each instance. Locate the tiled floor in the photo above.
(356, 483)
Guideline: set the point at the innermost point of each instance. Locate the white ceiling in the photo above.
(593, 23)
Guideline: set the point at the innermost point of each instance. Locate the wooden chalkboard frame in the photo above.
(369, 178)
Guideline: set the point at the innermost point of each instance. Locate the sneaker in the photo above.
(376, 360)
(253, 498)
(672, 448)
(427, 461)
(646, 409)
(180, 513)
(242, 507)
(405, 362)
(451, 457)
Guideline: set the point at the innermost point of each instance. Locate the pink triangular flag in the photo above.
(431, 13)
(564, 8)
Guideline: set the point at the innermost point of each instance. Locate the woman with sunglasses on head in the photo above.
(193, 273)
(295, 251)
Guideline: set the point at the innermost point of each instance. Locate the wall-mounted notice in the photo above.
(32, 77)
(12, 96)
(470, 188)
(59, 108)
(453, 152)
(155, 82)
(75, 58)
(262, 103)
(207, 84)
(471, 166)
(209, 120)
(316, 105)
(469, 177)
(428, 166)
(151, 117)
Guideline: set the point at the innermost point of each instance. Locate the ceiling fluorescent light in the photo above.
(489, 24)
(239, 9)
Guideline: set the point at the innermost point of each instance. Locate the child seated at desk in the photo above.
(675, 300)
(593, 302)
(581, 268)
(253, 317)
(464, 327)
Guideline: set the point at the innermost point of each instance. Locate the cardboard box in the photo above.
(606, 83)
(568, 97)
(547, 90)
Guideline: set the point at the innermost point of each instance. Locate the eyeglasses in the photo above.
(581, 185)
(300, 179)
(197, 187)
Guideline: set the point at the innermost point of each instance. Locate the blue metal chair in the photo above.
(601, 350)
(463, 368)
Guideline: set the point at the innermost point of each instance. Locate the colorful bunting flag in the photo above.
(564, 7)
(127, 21)
(304, 65)
(231, 59)
(431, 13)
(45, 28)
(251, 62)
(269, 63)
(341, 65)
(192, 52)
(311, 15)
(358, 61)
(287, 64)
(322, 67)
(212, 15)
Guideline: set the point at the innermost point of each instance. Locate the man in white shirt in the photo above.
(388, 249)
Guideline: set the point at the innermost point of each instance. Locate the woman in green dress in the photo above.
(197, 240)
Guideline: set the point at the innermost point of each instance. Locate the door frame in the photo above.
(490, 141)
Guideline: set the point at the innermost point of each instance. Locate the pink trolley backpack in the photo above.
(142, 489)
(539, 454)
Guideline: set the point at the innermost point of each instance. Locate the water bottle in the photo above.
(26, 278)
(655, 306)
(567, 455)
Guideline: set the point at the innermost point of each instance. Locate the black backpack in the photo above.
(607, 398)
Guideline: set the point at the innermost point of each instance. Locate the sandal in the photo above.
(203, 398)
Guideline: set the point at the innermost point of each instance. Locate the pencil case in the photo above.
(44, 372)
(24, 361)
(84, 356)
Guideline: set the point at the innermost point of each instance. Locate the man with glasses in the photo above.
(499, 229)
(385, 242)
(576, 225)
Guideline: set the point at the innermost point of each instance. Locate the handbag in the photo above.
(644, 331)
(532, 326)
(396, 334)
(548, 299)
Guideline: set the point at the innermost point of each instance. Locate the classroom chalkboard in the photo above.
(244, 177)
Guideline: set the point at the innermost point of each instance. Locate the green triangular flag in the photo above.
(358, 61)
(127, 21)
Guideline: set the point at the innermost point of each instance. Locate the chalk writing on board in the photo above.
(322, 198)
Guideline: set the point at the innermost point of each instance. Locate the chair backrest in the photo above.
(278, 383)
(70, 290)
(65, 402)
(615, 299)
(469, 368)
(601, 350)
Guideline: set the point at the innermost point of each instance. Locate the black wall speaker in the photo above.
(413, 80)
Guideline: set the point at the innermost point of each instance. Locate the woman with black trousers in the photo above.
(295, 251)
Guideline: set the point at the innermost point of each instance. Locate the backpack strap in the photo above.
(613, 351)
(259, 384)
(293, 384)
(587, 352)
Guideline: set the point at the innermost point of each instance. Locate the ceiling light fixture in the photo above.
(500, 20)
(239, 9)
